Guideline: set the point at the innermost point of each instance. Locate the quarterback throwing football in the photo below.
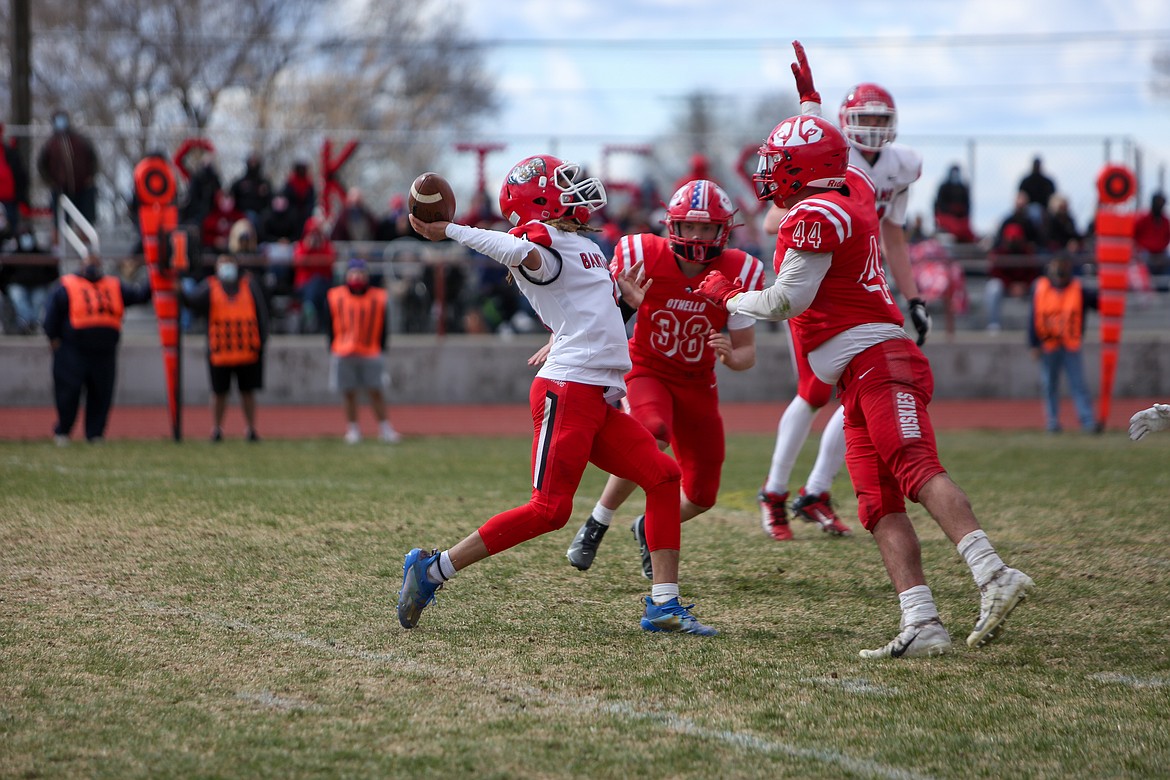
(567, 279)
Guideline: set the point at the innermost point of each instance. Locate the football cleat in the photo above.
(774, 515)
(1000, 596)
(584, 546)
(639, 529)
(417, 591)
(918, 641)
(817, 508)
(673, 617)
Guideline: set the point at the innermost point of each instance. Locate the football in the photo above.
(431, 198)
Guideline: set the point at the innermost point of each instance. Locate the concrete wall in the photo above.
(489, 369)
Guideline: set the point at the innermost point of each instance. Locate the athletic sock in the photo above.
(602, 515)
(980, 556)
(830, 455)
(917, 606)
(660, 593)
(791, 434)
(441, 570)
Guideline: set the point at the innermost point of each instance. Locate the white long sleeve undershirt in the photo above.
(793, 291)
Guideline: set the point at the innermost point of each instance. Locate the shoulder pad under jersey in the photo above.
(907, 163)
(817, 224)
(536, 232)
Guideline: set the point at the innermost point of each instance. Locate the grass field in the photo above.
(179, 611)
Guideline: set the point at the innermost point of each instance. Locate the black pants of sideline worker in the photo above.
(74, 371)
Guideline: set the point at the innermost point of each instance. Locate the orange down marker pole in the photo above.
(1116, 191)
(158, 219)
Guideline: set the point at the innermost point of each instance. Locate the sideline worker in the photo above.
(83, 321)
(237, 330)
(355, 325)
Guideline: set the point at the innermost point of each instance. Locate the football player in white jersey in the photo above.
(869, 122)
(567, 279)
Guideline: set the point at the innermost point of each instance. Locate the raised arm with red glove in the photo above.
(804, 79)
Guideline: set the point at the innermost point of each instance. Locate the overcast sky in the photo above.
(1020, 77)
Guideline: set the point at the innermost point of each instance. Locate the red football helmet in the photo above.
(703, 201)
(802, 151)
(869, 118)
(545, 187)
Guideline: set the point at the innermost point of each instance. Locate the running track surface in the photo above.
(297, 422)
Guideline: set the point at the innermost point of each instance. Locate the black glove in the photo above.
(921, 319)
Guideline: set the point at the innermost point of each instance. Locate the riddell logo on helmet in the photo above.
(835, 183)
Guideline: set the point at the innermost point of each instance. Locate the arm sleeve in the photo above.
(504, 248)
(55, 313)
(795, 287)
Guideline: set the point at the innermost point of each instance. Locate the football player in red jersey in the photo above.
(869, 122)
(565, 276)
(678, 336)
(831, 288)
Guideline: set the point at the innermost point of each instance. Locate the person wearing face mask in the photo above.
(355, 326)
(83, 321)
(1056, 330)
(68, 164)
(237, 330)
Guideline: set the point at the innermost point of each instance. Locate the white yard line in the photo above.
(574, 704)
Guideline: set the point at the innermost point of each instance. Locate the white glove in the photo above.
(1156, 418)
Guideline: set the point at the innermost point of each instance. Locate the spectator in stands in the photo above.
(279, 223)
(313, 259)
(252, 191)
(1021, 215)
(394, 223)
(355, 222)
(13, 188)
(1013, 269)
(1056, 329)
(278, 234)
(1039, 188)
(952, 207)
(29, 279)
(1151, 235)
(1061, 231)
(202, 187)
(83, 321)
(217, 225)
(301, 194)
(68, 164)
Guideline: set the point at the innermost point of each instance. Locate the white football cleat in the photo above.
(1000, 596)
(918, 641)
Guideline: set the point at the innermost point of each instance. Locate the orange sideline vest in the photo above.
(233, 329)
(357, 321)
(1058, 315)
(94, 304)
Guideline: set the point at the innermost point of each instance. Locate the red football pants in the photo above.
(686, 416)
(890, 449)
(574, 426)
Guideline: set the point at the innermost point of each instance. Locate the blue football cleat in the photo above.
(417, 591)
(674, 618)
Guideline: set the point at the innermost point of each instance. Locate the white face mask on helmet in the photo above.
(228, 273)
